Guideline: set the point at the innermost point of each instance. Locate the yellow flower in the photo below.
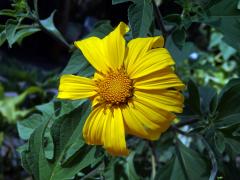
(134, 89)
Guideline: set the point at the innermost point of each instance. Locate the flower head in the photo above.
(134, 89)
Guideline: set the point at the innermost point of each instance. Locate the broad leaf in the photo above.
(188, 164)
(224, 16)
(140, 17)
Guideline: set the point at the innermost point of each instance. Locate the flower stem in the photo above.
(159, 21)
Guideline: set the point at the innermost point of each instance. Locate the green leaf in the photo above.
(238, 5)
(226, 50)
(194, 97)
(49, 26)
(39, 164)
(219, 141)
(11, 28)
(216, 39)
(2, 35)
(9, 105)
(140, 17)
(228, 121)
(69, 158)
(229, 99)
(179, 37)
(27, 126)
(78, 65)
(188, 164)
(101, 29)
(25, 32)
(224, 16)
(179, 55)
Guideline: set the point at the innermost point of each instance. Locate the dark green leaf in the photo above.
(194, 97)
(179, 37)
(101, 29)
(224, 16)
(229, 99)
(228, 121)
(219, 141)
(140, 17)
(187, 160)
(234, 145)
(25, 32)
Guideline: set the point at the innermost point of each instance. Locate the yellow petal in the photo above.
(154, 60)
(107, 53)
(94, 127)
(105, 127)
(115, 46)
(158, 80)
(76, 87)
(138, 47)
(94, 51)
(168, 100)
(115, 142)
(146, 121)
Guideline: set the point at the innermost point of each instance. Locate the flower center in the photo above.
(115, 88)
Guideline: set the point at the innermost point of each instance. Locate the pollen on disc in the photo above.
(115, 87)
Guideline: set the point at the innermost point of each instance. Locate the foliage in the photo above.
(203, 142)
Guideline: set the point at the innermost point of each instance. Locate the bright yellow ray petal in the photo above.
(154, 60)
(146, 121)
(114, 44)
(94, 51)
(105, 127)
(168, 100)
(115, 142)
(163, 79)
(134, 126)
(76, 87)
(138, 47)
(93, 129)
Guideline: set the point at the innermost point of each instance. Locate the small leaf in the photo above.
(49, 26)
(140, 17)
(226, 50)
(11, 28)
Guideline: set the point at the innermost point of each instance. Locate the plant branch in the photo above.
(154, 159)
(159, 21)
(212, 157)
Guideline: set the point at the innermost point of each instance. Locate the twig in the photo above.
(154, 159)
(212, 157)
(159, 21)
